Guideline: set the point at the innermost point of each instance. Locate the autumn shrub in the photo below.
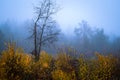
(62, 75)
(41, 69)
(102, 67)
(63, 69)
(116, 72)
(83, 69)
(14, 64)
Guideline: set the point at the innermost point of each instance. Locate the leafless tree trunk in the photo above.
(35, 39)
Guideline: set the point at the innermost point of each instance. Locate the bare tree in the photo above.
(45, 29)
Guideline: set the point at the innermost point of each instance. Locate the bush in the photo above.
(42, 68)
(62, 75)
(100, 68)
(64, 70)
(83, 70)
(103, 67)
(15, 65)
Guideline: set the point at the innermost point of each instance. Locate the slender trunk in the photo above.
(35, 40)
(39, 49)
(35, 37)
(41, 36)
(40, 44)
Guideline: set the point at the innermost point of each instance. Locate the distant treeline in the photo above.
(85, 39)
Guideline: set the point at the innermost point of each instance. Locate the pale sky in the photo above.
(98, 13)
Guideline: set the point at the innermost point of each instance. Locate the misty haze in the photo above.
(59, 40)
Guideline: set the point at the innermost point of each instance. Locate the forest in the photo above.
(38, 49)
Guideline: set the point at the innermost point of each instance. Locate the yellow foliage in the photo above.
(64, 70)
(45, 59)
(62, 62)
(14, 65)
(83, 69)
(42, 68)
(61, 75)
(102, 67)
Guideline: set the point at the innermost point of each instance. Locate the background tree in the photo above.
(115, 46)
(1, 40)
(5, 34)
(84, 34)
(100, 42)
(90, 39)
(45, 29)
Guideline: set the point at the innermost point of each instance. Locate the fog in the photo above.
(87, 26)
(101, 13)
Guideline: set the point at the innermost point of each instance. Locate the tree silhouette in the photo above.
(84, 34)
(100, 41)
(45, 29)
